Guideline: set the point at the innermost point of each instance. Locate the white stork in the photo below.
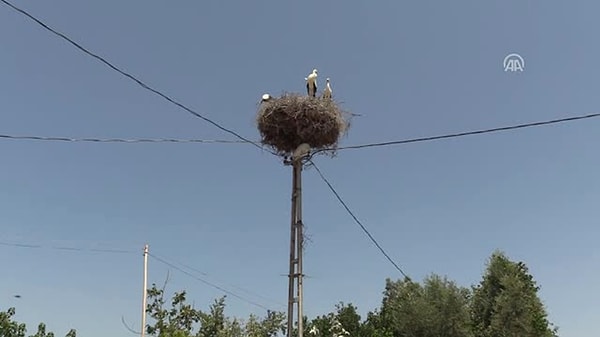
(327, 92)
(265, 98)
(311, 83)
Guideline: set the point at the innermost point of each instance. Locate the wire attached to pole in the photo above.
(343, 203)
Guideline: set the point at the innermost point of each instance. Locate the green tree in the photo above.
(253, 327)
(347, 315)
(322, 324)
(306, 325)
(269, 326)
(42, 331)
(448, 307)
(213, 324)
(506, 303)
(375, 326)
(179, 319)
(232, 328)
(10, 328)
(403, 311)
(437, 308)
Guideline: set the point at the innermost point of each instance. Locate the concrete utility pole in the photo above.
(296, 242)
(145, 291)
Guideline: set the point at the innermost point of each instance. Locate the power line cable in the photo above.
(470, 133)
(129, 76)
(406, 141)
(398, 142)
(164, 96)
(339, 198)
(163, 261)
(231, 285)
(122, 251)
(212, 141)
(65, 248)
(122, 140)
(234, 286)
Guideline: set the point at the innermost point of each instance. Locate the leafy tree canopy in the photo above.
(505, 303)
(180, 319)
(10, 328)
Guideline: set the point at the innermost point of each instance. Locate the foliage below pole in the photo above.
(504, 304)
(180, 319)
(10, 328)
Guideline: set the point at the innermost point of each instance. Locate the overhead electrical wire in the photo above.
(234, 286)
(122, 140)
(423, 139)
(189, 110)
(196, 114)
(397, 142)
(471, 133)
(129, 76)
(167, 263)
(348, 147)
(65, 248)
(360, 146)
(358, 222)
(159, 259)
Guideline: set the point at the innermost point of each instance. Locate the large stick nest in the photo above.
(286, 122)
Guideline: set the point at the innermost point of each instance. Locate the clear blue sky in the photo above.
(410, 69)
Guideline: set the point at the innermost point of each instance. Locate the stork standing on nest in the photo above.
(327, 92)
(311, 83)
(265, 98)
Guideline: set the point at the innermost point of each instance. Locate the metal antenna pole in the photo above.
(145, 291)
